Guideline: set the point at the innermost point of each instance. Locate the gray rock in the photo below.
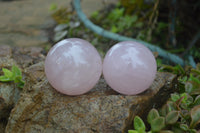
(5, 51)
(42, 109)
(9, 92)
(27, 56)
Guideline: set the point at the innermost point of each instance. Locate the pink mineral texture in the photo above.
(129, 68)
(73, 66)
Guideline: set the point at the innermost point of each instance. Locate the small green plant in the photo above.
(67, 23)
(14, 75)
(138, 125)
(181, 113)
(117, 21)
(121, 22)
(173, 69)
(53, 7)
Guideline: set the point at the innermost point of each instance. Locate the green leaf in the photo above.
(167, 68)
(195, 71)
(158, 62)
(189, 100)
(171, 106)
(177, 129)
(53, 7)
(114, 29)
(16, 71)
(119, 11)
(193, 131)
(181, 70)
(152, 115)
(188, 87)
(116, 14)
(185, 97)
(7, 73)
(141, 131)
(192, 78)
(132, 131)
(175, 97)
(18, 79)
(164, 110)
(197, 101)
(94, 14)
(186, 100)
(14, 75)
(184, 127)
(168, 107)
(21, 84)
(127, 19)
(5, 79)
(183, 79)
(134, 18)
(139, 124)
(162, 25)
(138, 24)
(157, 124)
(176, 69)
(195, 115)
(172, 117)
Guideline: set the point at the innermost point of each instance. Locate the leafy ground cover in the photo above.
(181, 113)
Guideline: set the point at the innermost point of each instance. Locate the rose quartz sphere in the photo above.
(73, 66)
(129, 67)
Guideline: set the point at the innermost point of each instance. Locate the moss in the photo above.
(62, 15)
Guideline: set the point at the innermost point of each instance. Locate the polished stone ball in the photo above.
(73, 66)
(129, 67)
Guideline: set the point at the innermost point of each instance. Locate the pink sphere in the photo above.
(73, 66)
(129, 67)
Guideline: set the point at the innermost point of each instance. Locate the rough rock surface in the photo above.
(9, 92)
(42, 109)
